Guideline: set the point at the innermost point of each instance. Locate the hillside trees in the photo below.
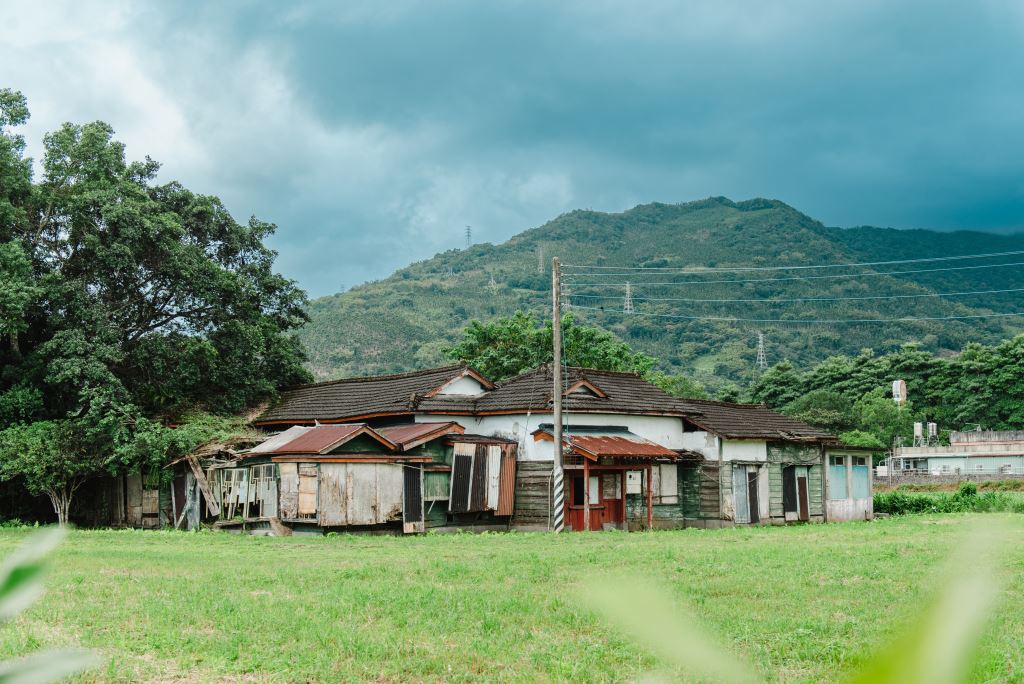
(125, 301)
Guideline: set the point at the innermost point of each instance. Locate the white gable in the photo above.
(463, 386)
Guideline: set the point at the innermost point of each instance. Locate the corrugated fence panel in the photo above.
(507, 486)
(493, 476)
(412, 506)
(478, 488)
(462, 475)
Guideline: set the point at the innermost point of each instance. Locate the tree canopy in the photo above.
(125, 302)
(506, 347)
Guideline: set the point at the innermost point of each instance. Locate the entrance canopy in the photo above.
(606, 442)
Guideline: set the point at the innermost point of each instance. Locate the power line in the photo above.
(732, 319)
(798, 299)
(691, 269)
(792, 278)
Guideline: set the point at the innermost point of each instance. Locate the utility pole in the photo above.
(558, 477)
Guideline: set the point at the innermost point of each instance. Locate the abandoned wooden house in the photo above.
(634, 456)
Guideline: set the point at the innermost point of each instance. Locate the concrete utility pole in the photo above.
(558, 477)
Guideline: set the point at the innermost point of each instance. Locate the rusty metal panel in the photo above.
(333, 508)
(507, 486)
(462, 476)
(307, 490)
(493, 476)
(478, 488)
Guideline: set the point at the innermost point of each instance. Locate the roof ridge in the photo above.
(718, 402)
(371, 378)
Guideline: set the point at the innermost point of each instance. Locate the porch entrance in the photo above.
(745, 490)
(795, 493)
(607, 500)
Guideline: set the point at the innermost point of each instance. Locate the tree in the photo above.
(823, 408)
(147, 294)
(778, 386)
(678, 385)
(880, 416)
(860, 438)
(507, 347)
(43, 454)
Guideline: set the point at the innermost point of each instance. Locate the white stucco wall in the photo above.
(664, 430)
(465, 386)
(745, 450)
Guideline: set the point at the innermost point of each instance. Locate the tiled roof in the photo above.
(532, 391)
(751, 421)
(355, 398)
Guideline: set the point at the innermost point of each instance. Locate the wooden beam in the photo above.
(586, 496)
(204, 486)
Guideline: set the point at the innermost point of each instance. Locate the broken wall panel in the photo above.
(412, 503)
(289, 490)
(462, 476)
(493, 476)
(507, 484)
(307, 491)
(478, 488)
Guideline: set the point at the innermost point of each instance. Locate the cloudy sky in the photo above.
(372, 134)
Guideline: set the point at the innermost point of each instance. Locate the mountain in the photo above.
(406, 321)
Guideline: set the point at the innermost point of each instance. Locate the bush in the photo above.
(965, 500)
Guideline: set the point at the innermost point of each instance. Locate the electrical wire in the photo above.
(801, 278)
(801, 299)
(732, 319)
(737, 269)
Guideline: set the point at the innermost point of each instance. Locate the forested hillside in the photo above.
(409, 319)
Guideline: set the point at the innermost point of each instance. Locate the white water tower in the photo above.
(899, 392)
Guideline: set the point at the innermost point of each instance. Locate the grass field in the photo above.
(803, 603)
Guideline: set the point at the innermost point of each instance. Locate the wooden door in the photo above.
(755, 514)
(740, 494)
(613, 511)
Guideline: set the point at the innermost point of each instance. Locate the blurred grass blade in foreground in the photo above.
(653, 618)
(20, 585)
(939, 645)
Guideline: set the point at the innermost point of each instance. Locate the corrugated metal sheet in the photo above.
(325, 438)
(279, 440)
(462, 476)
(404, 435)
(478, 489)
(412, 504)
(618, 445)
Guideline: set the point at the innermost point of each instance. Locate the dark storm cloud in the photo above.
(372, 133)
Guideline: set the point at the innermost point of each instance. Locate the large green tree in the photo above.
(127, 302)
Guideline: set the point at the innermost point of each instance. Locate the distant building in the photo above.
(979, 452)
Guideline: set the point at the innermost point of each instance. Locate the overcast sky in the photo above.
(372, 134)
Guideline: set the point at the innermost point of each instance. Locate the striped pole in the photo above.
(557, 480)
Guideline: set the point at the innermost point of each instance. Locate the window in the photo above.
(595, 490)
(612, 486)
(860, 478)
(837, 478)
(945, 468)
(979, 467)
(665, 483)
(577, 490)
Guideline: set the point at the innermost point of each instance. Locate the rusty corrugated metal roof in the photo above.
(619, 445)
(325, 438)
(414, 434)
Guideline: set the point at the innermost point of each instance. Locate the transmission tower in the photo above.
(493, 284)
(627, 303)
(540, 260)
(762, 361)
(469, 236)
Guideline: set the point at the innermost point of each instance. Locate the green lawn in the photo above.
(803, 603)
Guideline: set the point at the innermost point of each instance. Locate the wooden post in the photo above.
(212, 505)
(558, 479)
(586, 494)
(650, 499)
